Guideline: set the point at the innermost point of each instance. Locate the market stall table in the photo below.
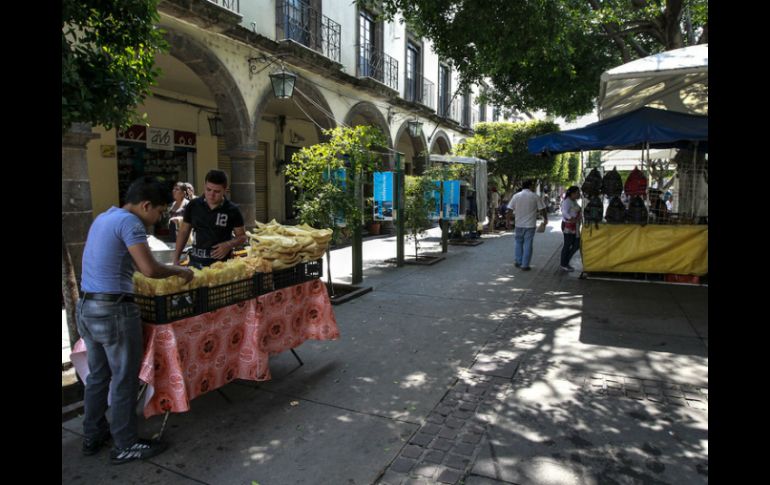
(653, 248)
(196, 355)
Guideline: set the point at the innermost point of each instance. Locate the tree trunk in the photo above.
(77, 214)
(70, 292)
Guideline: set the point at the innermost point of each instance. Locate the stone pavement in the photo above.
(468, 371)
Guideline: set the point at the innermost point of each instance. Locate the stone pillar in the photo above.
(76, 208)
(242, 187)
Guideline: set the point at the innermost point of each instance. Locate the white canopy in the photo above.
(675, 80)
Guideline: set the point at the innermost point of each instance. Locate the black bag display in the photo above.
(593, 183)
(593, 211)
(616, 211)
(612, 184)
(637, 211)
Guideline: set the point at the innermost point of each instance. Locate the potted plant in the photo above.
(373, 227)
(325, 175)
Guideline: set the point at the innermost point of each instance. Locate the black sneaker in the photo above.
(517, 265)
(92, 447)
(141, 450)
(525, 268)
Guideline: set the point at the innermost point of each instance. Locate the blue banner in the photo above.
(338, 177)
(452, 200)
(383, 196)
(436, 194)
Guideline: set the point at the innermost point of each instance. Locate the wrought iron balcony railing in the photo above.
(419, 90)
(455, 110)
(298, 21)
(232, 5)
(377, 65)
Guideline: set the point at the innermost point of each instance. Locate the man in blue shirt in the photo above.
(110, 322)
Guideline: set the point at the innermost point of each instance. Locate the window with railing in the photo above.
(443, 90)
(232, 5)
(377, 65)
(466, 114)
(298, 21)
(413, 73)
(427, 94)
(482, 112)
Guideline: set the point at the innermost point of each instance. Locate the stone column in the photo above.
(242, 188)
(76, 208)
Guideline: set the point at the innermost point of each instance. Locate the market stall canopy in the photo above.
(659, 128)
(675, 80)
(628, 159)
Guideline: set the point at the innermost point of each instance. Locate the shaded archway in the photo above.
(413, 148)
(440, 144)
(239, 144)
(365, 113)
(283, 127)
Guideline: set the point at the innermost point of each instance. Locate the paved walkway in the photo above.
(468, 371)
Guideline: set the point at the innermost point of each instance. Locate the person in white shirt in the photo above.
(525, 206)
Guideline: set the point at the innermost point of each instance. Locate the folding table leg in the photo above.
(162, 426)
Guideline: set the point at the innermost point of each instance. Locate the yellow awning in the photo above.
(631, 248)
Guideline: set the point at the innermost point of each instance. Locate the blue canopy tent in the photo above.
(642, 128)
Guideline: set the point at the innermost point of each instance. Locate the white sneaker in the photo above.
(568, 268)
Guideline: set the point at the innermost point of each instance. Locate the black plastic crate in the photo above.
(297, 274)
(215, 297)
(167, 308)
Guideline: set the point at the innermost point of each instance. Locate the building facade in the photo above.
(214, 105)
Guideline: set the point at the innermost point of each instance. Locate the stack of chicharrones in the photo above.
(219, 273)
(285, 246)
(273, 247)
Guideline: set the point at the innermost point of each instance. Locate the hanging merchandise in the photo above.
(593, 183)
(616, 211)
(636, 184)
(612, 184)
(593, 211)
(637, 211)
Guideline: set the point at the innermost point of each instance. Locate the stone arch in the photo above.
(419, 147)
(303, 90)
(370, 113)
(440, 143)
(227, 96)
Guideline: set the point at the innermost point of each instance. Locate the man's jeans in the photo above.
(523, 237)
(113, 336)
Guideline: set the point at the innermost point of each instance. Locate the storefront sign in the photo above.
(184, 138)
(133, 133)
(383, 196)
(160, 138)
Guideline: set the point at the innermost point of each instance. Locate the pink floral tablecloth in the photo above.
(193, 356)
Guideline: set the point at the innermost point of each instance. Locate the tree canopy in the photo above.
(108, 52)
(504, 146)
(549, 54)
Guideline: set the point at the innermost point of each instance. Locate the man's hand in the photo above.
(219, 251)
(185, 273)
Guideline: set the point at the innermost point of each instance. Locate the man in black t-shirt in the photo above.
(214, 219)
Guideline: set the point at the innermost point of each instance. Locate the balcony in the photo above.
(303, 24)
(377, 65)
(231, 5)
(424, 96)
(455, 110)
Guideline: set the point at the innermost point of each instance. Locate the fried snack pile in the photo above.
(219, 273)
(285, 246)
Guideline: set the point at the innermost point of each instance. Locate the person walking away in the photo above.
(525, 206)
(110, 323)
(495, 203)
(215, 219)
(570, 226)
(182, 197)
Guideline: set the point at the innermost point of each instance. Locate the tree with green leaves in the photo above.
(418, 205)
(108, 53)
(325, 175)
(108, 56)
(549, 54)
(504, 146)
